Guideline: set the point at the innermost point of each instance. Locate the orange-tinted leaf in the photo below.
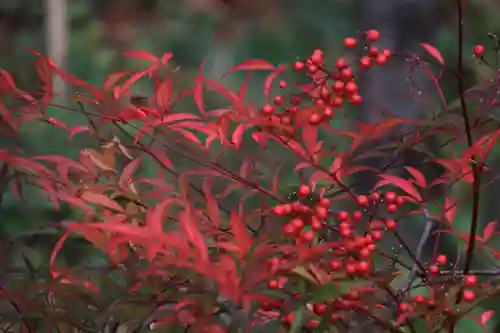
(401, 183)
(76, 130)
(252, 65)
(101, 200)
(418, 176)
(433, 52)
(211, 204)
(139, 54)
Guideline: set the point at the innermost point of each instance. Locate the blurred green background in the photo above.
(87, 38)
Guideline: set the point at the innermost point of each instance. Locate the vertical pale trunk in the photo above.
(56, 38)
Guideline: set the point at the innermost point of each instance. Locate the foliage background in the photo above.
(224, 32)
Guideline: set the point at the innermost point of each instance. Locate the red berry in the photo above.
(365, 62)
(316, 224)
(470, 280)
(356, 99)
(381, 59)
(328, 113)
(304, 190)
(346, 73)
(404, 307)
(351, 87)
(362, 200)
(441, 259)
(307, 236)
(479, 50)
(278, 100)
(289, 230)
(268, 109)
(297, 223)
(341, 63)
(373, 51)
(387, 53)
(375, 196)
(338, 86)
(312, 69)
(337, 102)
(365, 252)
(377, 234)
(399, 200)
(299, 66)
(273, 284)
(343, 216)
(279, 210)
(433, 269)
(419, 298)
(283, 84)
(317, 57)
(321, 212)
(335, 265)
(469, 296)
(324, 202)
(363, 267)
(357, 215)
(314, 119)
(349, 43)
(350, 269)
(320, 308)
(372, 35)
(390, 224)
(390, 197)
(392, 208)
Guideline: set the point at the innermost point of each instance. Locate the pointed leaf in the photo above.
(189, 225)
(211, 204)
(450, 209)
(433, 52)
(486, 316)
(198, 90)
(252, 65)
(418, 176)
(154, 218)
(489, 231)
(401, 183)
(239, 230)
(128, 172)
(101, 200)
(142, 55)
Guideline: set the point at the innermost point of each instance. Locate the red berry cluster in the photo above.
(331, 87)
(306, 218)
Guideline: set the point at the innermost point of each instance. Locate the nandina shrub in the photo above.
(212, 241)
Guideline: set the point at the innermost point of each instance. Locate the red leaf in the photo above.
(418, 176)
(128, 172)
(486, 316)
(198, 90)
(211, 204)
(401, 183)
(161, 157)
(489, 230)
(268, 82)
(188, 223)
(164, 92)
(241, 236)
(154, 218)
(433, 52)
(242, 92)
(139, 54)
(450, 209)
(101, 200)
(310, 138)
(113, 78)
(237, 136)
(252, 65)
(76, 130)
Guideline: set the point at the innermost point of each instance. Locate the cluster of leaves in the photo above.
(212, 242)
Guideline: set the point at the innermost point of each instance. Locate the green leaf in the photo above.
(297, 320)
